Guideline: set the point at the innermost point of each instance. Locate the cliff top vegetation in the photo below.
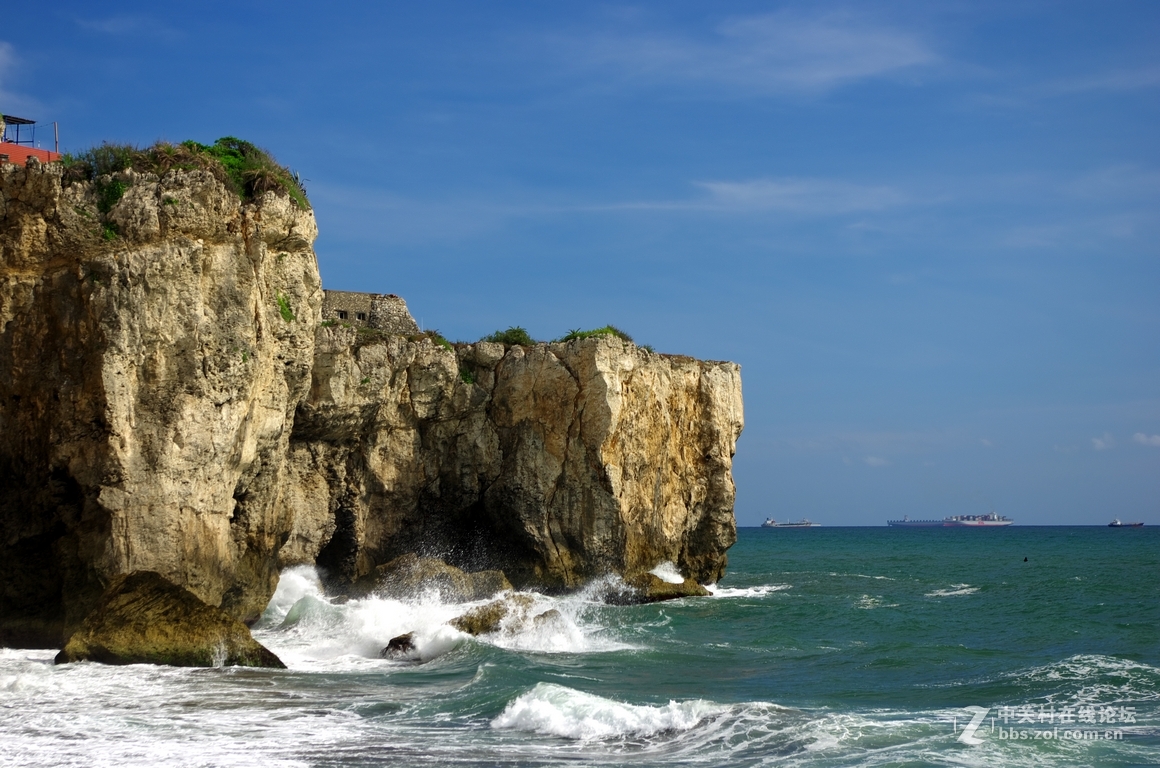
(243, 167)
(518, 335)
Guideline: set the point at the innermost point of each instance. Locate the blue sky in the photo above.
(929, 232)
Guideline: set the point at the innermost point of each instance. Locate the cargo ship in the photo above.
(990, 520)
(803, 523)
(1116, 523)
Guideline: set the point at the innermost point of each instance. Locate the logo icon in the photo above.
(968, 735)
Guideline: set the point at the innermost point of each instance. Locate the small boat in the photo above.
(1117, 524)
(803, 523)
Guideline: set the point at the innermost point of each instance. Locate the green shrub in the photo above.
(98, 161)
(608, 330)
(467, 375)
(109, 193)
(109, 231)
(284, 308)
(514, 335)
(252, 171)
(434, 336)
(243, 167)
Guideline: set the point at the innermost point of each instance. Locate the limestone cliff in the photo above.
(148, 383)
(171, 401)
(555, 463)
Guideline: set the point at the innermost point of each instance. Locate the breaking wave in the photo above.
(556, 710)
(759, 591)
(954, 591)
(307, 629)
(668, 572)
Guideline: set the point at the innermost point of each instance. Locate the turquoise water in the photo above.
(822, 647)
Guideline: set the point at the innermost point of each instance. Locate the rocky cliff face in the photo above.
(148, 384)
(555, 463)
(171, 401)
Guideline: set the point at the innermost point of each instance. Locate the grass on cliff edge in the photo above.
(243, 167)
(608, 330)
(517, 335)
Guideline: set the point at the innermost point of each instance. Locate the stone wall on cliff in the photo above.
(148, 383)
(556, 463)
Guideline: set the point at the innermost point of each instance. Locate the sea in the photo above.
(1021, 646)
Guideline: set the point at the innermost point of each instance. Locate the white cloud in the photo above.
(11, 102)
(985, 442)
(1104, 443)
(1120, 80)
(1130, 182)
(1142, 439)
(798, 195)
(784, 51)
(876, 461)
(123, 25)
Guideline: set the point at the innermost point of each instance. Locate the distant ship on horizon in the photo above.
(1116, 523)
(989, 520)
(803, 523)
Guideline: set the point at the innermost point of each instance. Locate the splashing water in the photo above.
(668, 572)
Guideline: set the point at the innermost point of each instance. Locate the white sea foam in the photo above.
(293, 585)
(564, 624)
(1103, 679)
(307, 630)
(667, 572)
(95, 715)
(759, 591)
(954, 591)
(559, 711)
(869, 602)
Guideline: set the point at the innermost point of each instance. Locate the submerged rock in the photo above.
(485, 584)
(649, 588)
(143, 618)
(488, 618)
(551, 617)
(401, 647)
(409, 576)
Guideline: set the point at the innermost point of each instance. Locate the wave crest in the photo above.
(556, 710)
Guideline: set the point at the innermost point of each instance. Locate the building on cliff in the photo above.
(15, 149)
(382, 311)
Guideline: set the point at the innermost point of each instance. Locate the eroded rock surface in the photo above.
(556, 463)
(142, 618)
(410, 576)
(148, 384)
(490, 617)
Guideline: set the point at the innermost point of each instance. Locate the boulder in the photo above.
(400, 648)
(410, 575)
(143, 618)
(485, 584)
(648, 588)
(551, 617)
(488, 618)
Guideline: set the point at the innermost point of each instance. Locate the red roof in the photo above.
(19, 153)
